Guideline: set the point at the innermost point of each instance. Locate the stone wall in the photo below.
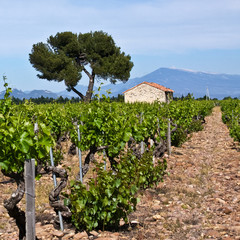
(144, 93)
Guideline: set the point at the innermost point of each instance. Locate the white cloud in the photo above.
(182, 24)
(137, 26)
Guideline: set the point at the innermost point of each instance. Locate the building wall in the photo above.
(144, 93)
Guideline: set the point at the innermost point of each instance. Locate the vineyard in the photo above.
(231, 116)
(123, 145)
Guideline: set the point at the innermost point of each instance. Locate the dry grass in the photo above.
(43, 187)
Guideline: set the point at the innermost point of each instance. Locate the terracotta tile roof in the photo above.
(152, 85)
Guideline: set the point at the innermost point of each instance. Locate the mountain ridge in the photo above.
(185, 81)
(182, 81)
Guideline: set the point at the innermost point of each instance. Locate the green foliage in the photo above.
(180, 135)
(104, 57)
(188, 116)
(112, 124)
(43, 100)
(195, 126)
(65, 55)
(102, 123)
(112, 195)
(18, 140)
(231, 116)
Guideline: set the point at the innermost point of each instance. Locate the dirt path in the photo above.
(200, 199)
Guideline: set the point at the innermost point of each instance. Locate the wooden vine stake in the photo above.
(80, 155)
(142, 143)
(169, 138)
(29, 173)
(168, 130)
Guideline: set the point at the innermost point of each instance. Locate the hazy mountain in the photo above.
(186, 81)
(42, 93)
(30, 94)
(180, 80)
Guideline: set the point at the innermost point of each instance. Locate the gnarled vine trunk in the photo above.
(54, 198)
(11, 204)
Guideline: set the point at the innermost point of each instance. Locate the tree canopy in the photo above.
(66, 55)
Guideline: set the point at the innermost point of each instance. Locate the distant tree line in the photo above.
(119, 98)
(43, 100)
(190, 96)
(226, 98)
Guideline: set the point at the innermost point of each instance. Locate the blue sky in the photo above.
(190, 34)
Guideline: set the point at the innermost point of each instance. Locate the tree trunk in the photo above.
(78, 93)
(89, 92)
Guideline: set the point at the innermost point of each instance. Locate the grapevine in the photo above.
(117, 128)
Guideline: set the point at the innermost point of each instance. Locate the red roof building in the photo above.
(148, 92)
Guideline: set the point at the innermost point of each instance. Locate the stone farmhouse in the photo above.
(148, 92)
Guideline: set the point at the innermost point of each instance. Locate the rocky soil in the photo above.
(199, 199)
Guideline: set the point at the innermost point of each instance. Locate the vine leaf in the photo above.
(25, 142)
(127, 136)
